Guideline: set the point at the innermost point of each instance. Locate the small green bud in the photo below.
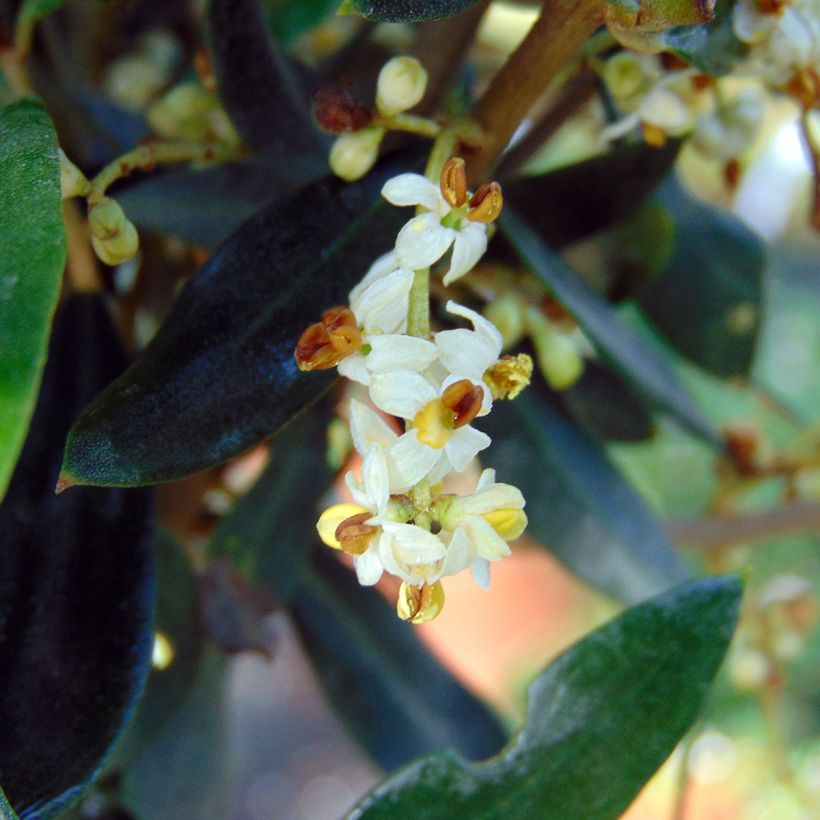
(625, 75)
(353, 154)
(183, 113)
(558, 359)
(118, 249)
(106, 218)
(401, 85)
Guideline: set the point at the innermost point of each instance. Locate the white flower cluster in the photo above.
(400, 521)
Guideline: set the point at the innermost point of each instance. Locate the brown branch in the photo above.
(715, 531)
(554, 39)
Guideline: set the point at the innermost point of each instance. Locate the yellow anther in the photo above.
(434, 424)
(330, 519)
(509, 522)
(354, 535)
(486, 203)
(453, 182)
(420, 604)
(509, 376)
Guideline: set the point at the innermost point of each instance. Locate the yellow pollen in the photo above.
(509, 376)
(508, 522)
(330, 519)
(420, 604)
(434, 424)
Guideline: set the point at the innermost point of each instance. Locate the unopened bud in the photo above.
(183, 113)
(119, 248)
(354, 154)
(106, 218)
(420, 604)
(453, 182)
(509, 376)
(401, 85)
(625, 75)
(560, 363)
(73, 181)
(664, 110)
(486, 203)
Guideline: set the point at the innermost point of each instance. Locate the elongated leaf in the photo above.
(32, 256)
(76, 575)
(604, 405)
(573, 202)
(405, 11)
(712, 47)
(6, 811)
(611, 335)
(288, 19)
(396, 699)
(601, 719)
(579, 506)
(260, 89)
(708, 300)
(219, 376)
(205, 206)
(272, 529)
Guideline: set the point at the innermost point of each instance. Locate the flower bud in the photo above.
(507, 313)
(117, 249)
(106, 218)
(401, 85)
(560, 363)
(354, 154)
(664, 110)
(420, 604)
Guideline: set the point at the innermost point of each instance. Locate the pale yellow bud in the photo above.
(401, 85)
(183, 113)
(507, 313)
(748, 669)
(420, 604)
(119, 248)
(353, 154)
(665, 110)
(558, 359)
(106, 218)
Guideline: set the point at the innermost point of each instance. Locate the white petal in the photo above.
(484, 327)
(477, 379)
(422, 241)
(369, 567)
(382, 307)
(487, 542)
(480, 569)
(358, 491)
(354, 367)
(486, 479)
(401, 392)
(375, 479)
(469, 246)
(463, 446)
(385, 264)
(465, 353)
(496, 497)
(368, 427)
(409, 461)
(441, 468)
(399, 352)
(459, 554)
(414, 545)
(412, 189)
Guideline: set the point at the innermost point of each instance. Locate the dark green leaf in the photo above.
(573, 202)
(6, 811)
(204, 206)
(220, 375)
(76, 589)
(289, 19)
(405, 11)
(624, 349)
(260, 88)
(601, 719)
(33, 10)
(708, 300)
(32, 256)
(182, 771)
(579, 506)
(396, 699)
(712, 47)
(271, 530)
(606, 406)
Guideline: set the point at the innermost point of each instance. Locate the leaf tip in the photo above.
(346, 7)
(64, 482)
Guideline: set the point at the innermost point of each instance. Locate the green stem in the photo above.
(151, 154)
(411, 123)
(418, 309)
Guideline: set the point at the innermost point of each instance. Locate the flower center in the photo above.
(458, 405)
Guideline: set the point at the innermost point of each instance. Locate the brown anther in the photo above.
(463, 400)
(671, 62)
(731, 174)
(336, 110)
(700, 82)
(324, 344)
(771, 6)
(453, 182)
(339, 316)
(486, 203)
(354, 535)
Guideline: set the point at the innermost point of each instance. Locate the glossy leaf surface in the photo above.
(405, 11)
(32, 256)
(570, 203)
(288, 19)
(6, 811)
(261, 91)
(394, 696)
(579, 506)
(708, 300)
(220, 375)
(77, 583)
(600, 720)
(624, 349)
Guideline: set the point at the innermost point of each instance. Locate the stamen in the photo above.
(330, 520)
(486, 203)
(354, 536)
(453, 182)
(463, 399)
(420, 604)
(324, 344)
(509, 376)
